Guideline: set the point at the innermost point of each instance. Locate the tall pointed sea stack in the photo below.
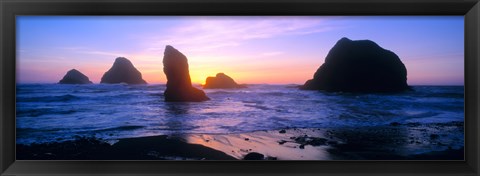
(122, 71)
(74, 77)
(359, 66)
(179, 85)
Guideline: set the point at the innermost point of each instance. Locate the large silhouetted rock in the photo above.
(75, 77)
(359, 66)
(221, 81)
(179, 85)
(122, 71)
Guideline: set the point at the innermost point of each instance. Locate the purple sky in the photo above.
(275, 50)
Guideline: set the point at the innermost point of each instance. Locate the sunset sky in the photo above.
(274, 50)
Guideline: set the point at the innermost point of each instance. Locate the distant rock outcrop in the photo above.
(179, 85)
(75, 77)
(221, 81)
(122, 71)
(359, 66)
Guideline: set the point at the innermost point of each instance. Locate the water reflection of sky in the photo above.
(124, 111)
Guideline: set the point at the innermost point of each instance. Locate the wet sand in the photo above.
(394, 142)
(289, 144)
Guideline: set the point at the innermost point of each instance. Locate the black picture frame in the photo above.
(11, 8)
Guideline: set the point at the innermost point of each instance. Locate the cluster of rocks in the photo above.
(175, 67)
(122, 71)
(350, 66)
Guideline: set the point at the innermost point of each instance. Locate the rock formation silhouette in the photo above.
(179, 84)
(359, 66)
(221, 81)
(122, 71)
(75, 77)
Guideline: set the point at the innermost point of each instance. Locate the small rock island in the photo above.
(122, 71)
(179, 84)
(359, 66)
(74, 77)
(221, 81)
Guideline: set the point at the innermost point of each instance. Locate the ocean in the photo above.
(56, 112)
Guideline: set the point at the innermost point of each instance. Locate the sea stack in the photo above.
(359, 66)
(74, 77)
(221, 81)
(122, 71)
(179, 85)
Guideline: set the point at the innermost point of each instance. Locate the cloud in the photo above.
(199, 35)
(208, 33)
(114, 54)
(85, 50)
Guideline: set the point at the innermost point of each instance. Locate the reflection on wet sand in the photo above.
(293, 145)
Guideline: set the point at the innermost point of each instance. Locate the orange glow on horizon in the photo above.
(251, 50)
(253, 72)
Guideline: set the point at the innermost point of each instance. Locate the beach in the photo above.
(394, 142)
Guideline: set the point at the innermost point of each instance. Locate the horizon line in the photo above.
(17, 83)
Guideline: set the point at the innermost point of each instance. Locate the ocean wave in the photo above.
(273, 94)
(448, 95)
(220, 92)
(120, 128)
(43, 111)
(30, 130)
(158, 94)
(61, 98)
(254, 102)
(258, 107)
(420, 114)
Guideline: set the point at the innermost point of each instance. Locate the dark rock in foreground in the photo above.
(359, 66)
(75, 77)
(142, 148)
(179, 85)
(221, 81)
(254, 156)
(122, 71)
